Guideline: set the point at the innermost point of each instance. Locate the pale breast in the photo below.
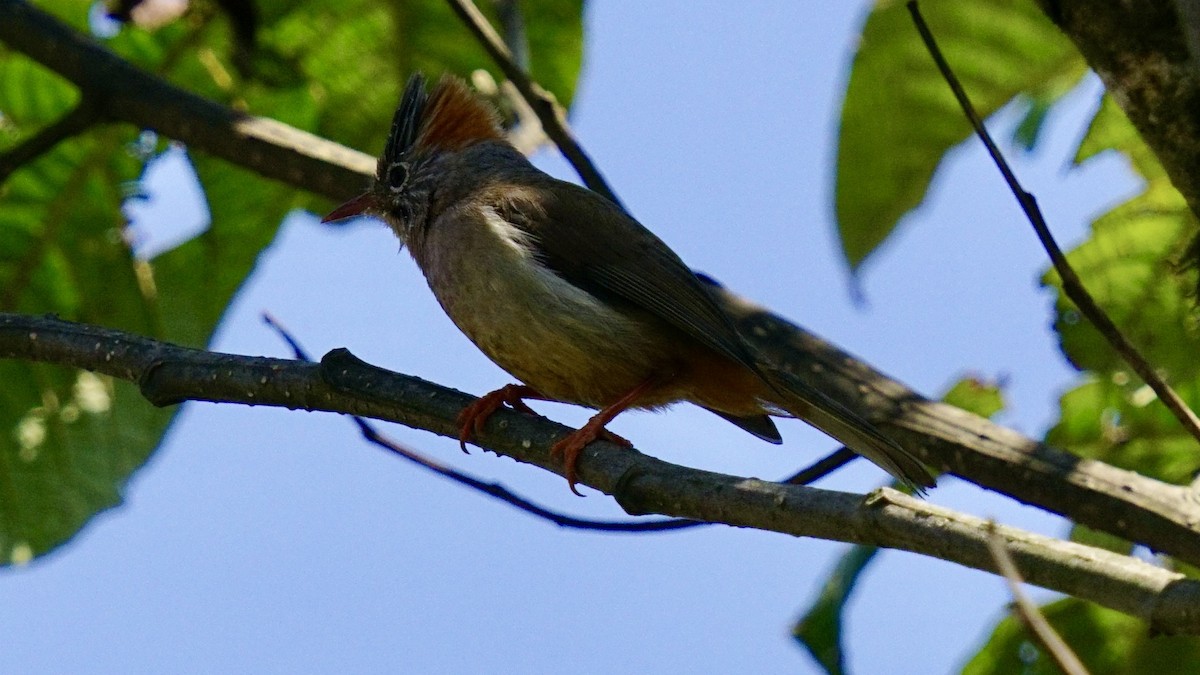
(548, 333)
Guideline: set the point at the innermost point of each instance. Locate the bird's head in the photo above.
(429, 131)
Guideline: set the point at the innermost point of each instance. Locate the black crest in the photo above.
(407, 121)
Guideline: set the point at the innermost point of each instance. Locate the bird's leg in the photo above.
(570, 447)
(473, 417)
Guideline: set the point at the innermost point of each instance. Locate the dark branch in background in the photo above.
(1145, 53)
(1072, 285)
(79, 119)
(551, 114)
(496, 490)
(120, 91)
(168, 374)
(1043, 633)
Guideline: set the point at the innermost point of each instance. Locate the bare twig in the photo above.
(551, 114)
(1045, 635)
(823, 467)
(80, 118)
(1072, 285)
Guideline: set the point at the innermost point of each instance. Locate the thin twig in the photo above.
(817, 470)
(549, 112)
(80, 118)
(1072, 285)
(1045, 635)
(822, 467)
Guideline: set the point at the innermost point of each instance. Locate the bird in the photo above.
(571, 295)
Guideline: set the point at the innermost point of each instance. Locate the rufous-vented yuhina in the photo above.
(571, 295)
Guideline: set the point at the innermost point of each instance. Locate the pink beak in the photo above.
(354, 207)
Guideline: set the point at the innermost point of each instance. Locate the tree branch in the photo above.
(123, 92)
(79, 119)
(495, 490)
(1144, 54)
(1028, 613)
(1072, 284)
(168, 374)
(1164, 517)
(545, 106)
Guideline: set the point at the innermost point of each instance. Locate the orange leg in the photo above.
(473, 417)
(573, 444)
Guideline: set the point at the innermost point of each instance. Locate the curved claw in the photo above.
(569, 448)
(473, 417)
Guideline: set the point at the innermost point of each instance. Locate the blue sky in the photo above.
(271, 541)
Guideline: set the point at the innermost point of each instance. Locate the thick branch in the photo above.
(1164, 517)
(1145, 54)
(169, 374)
(122, 92)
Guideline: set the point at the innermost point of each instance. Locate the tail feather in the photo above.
(835, 419)
(759, 425)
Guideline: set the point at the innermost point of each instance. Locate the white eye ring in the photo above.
(397, 175)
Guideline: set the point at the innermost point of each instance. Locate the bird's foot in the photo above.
(473, 417)
(570, 447)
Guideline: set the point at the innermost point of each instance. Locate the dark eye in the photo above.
(397, 175)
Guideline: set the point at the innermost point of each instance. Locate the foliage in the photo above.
(1107, 642)
(892, 138)
(70, 440)
(1005, 52)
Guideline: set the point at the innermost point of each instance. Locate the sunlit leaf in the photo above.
(820, 629)
(1128, 265)
(899, 118)
(1106, 641)
(68, 440)
(976, 395)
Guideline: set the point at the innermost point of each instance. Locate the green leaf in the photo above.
(1128, 266)
(976, 395)
(899, 118)
(1105, 640)
(30, 96)
(1123, 425)
(70, 440)
(554, 29)
(1089, 537)
(1029, 130)
(820, 629)
(196, 281)
(358, 55)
